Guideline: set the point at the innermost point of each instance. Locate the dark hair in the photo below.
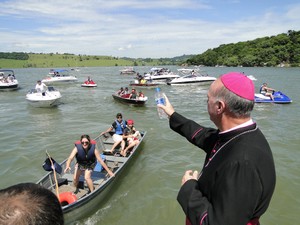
(85, 136)
(29, 204)
(119, 114)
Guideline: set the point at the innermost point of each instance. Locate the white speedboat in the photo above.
(60, 75)
(127, 71)
(8, 81)
(50, 98)
(160, 75)
(192, 79)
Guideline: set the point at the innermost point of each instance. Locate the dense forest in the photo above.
(280, 50)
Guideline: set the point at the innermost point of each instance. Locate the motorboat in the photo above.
(50, 98)
(192, 79)
(8, 81)
(279, 98)
(160, 75)
(80, 205)
(127, 71)
(143, 83)
(124, 98)
(89, 83)
(59, 75)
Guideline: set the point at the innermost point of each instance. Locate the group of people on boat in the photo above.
(131, 95)
(125, 135)
(7, 79)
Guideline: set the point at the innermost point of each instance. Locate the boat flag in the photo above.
(48, 167)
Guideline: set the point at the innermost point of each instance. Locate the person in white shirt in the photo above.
(41, 87)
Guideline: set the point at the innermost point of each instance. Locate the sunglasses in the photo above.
(85, 142)
(119, 117)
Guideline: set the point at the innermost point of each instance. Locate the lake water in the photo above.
(147, 192)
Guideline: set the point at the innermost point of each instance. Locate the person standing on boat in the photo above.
(87, 156)
(41, 87)
(238, 177)
(118, 126)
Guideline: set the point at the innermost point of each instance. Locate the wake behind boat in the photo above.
(82, 204)
(8, 81)
(279, 98)
(59, 75)
(50, 98)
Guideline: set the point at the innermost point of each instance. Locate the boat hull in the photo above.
(9, 87)
(279, 98)
(89, 85)
(44, 103)
(88, 203)
(192, 81)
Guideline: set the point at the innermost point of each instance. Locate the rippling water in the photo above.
(147, 192)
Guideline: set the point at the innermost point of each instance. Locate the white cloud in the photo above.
(134, 28)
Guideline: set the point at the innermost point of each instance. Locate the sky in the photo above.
(140, 28)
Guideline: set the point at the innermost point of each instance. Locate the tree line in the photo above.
(283, 49)
(14, 55)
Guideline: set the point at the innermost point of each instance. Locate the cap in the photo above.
(119, 114)
(239, 84)
(130, 122)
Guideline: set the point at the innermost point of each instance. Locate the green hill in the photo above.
(280, 50)
(41, 60)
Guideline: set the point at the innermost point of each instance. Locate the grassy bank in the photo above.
(70, 60)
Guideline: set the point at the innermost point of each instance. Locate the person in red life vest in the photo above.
(131, 135)
(238, 177)
(87, 156)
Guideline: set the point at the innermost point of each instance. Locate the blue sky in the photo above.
(140, 28)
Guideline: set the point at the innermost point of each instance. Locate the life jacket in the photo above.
(119, 129)
(85, 159)
(261, 90)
